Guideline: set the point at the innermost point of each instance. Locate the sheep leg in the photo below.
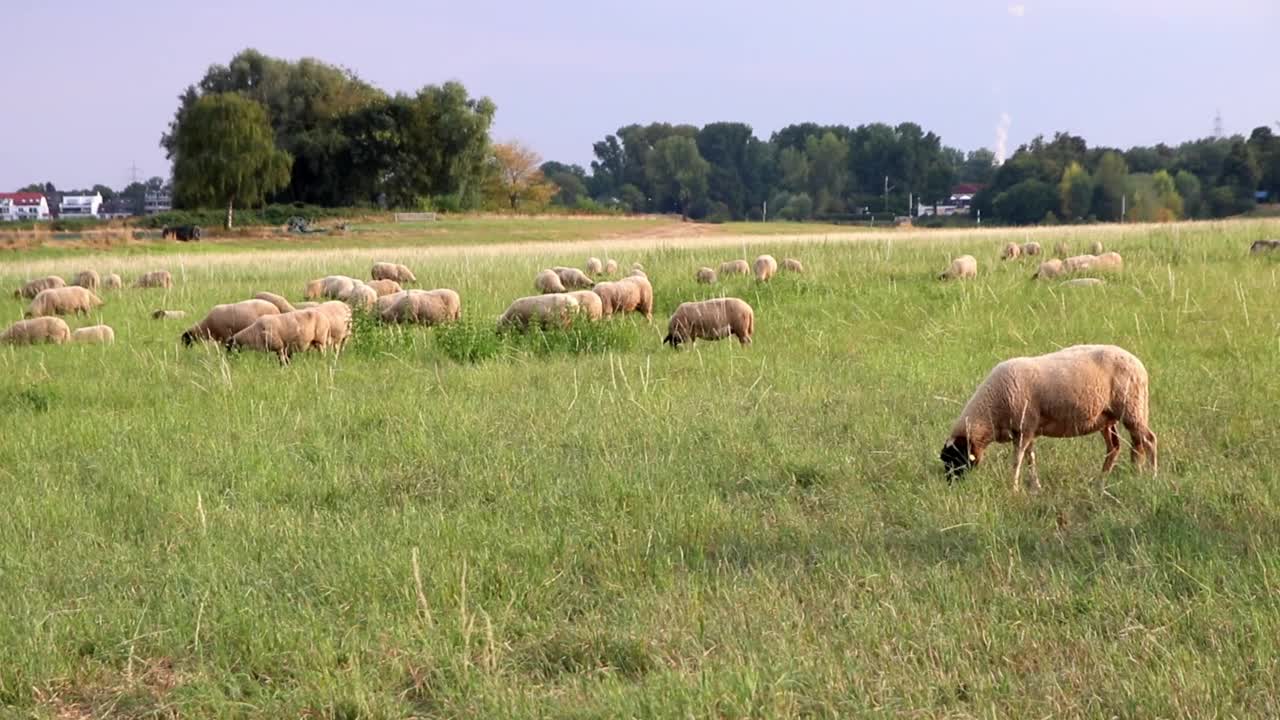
(1144, 445)
(1112, 438)
(1019, 453)
(1033, 472)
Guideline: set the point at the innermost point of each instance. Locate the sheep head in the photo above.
(673, 340)
(958, 457)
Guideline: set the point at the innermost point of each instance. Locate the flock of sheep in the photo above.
(966, 266)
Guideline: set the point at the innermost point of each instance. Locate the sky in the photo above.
(564, 73)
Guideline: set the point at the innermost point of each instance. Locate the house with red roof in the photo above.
(23, 206)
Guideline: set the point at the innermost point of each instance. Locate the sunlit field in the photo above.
(443, 522)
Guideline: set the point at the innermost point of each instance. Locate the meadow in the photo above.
(443, 523)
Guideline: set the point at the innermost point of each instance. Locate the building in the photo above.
(23, 206)
(79, 206)
(117, 208)
(158, 201)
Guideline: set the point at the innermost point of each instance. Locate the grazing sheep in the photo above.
(1096, 248)
(1078, 263)
(1106, 262)
(1048, 270)
(644, 305)
(385, 287)
(1011, 251)
(542, 310)
(112, 281)
(548, 281)
(617, 298)
(1261, 246)
(281, 304)
(1062, 249)
(611, 267)
(1069, 393)
(1109, 261)
(94, 335)
(1082, 282)
(706, 276)
(224, 321)
(338, 316)
(284, 334)
(735, 267)
(392, 271)
(573, 278)
(38, 330)
(424, 307)
(314, 289)
(792, 265)
(168, 314)
(155, 279)
(962, 267)
(711, 320)
(87, 279)
(335, 287)
(33, 288)
(594, 266)
(359, 296)
(68, 300)
(589, 303)
(766, 267)
(1030, 249)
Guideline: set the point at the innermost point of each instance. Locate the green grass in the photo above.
(445, 523)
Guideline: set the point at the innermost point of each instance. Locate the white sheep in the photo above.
(338, 317)
(705, 276)
(422, 307)
(87, 279)
(392, 271)
(33, 288)
(1011, 251)
(573, 278)
(962, 267)
(766, 267)
(589, 303)
(1069, 393)
(359, 296)
(52, 330)
(281, 304)
(1048, 270)
(711, 320)
(610, 267)
(224, 321)
(68, 300)
(112, 281)
(155, 279)
(792, 265)
(285, 334)
(594, 266)
(94, 335)
(735, 267)
(555, 310)
(548, 281)
(385, 287)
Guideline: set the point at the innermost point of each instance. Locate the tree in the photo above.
(828, 158)
(1266, 151)
(677, 173)
(570, 182)
(978, 167)
(1188, 186)
(106, 192)
(1026, 203)
(1075, 193)
(1109, 186)
(518, 177)
(1237, 182)
(1166, 190)
(225, 152)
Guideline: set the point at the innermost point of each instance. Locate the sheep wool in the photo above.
(573, 278)
(792, 265)
(610, 267)
(766, 267)
(548, 281)
(284, 334)
(962, 267)
(1069, 393)
(385, 287)
(1095, 248)
(705, 276)
(33, 288)
(1011, 251)
(589, 304)
(735, 267)
(224, 321)
(36, 331)
(711, 320)
(545, 311)
(112, 281)
(281, 304)
(155, 279)
(68, 300)
(1048, 270)
(424, 307)
(392, 271)
(87, 279)
(644, 304)
(359, 296)
(594, 266)
(1031, 249)
(94, 335)
(338, 316)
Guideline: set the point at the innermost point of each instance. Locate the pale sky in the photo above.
(92, 85)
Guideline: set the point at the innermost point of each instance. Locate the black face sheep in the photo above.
(94, 335)
(69, 300)
(792, 265)
(711, 320)
(705, 276)
(1073, 392)
(33, 288)
(556, 310)
(35, 331)
(155, 279)
(962, 267)
(169, 314)
(285, 334)
(224, 321)
(1262, 246)
(87, 279)
(392, 271)
(281, 304)
(548, 281)
(1011, 251)
(766, 267)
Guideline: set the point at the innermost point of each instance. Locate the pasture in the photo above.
(442, 523)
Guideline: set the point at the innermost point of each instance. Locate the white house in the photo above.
(158, 201)
(23, 206)
(80, 206)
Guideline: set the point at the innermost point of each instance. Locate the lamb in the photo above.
(168, 314)
(1048, 270)
(548, 281)
(284, 334)
(542, 310)
(68, 300)
(433, 307)
(338, 317)
(792, 265)
(94, 335)
(1096, 248)
(359, 296)
(589, 303)
(711, 320)
(39, 330)
(610, 267)
(573, 278)
(392, 271)
(224, 321)
(1030, 249)
(155, 279)
(766, 267)
(594, 266)
(705, 276)
(1261, 246)
(281, 304)
(1069, 393)
(962, 267)
(385, 287)
(1011, 251)
(112, 281)
(734, 267)
(87, 279)
(33, 288)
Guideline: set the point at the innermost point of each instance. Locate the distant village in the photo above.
(53, 205)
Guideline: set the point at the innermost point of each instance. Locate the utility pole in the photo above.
(764, 213)
(1218, 131)
(887, 188)
(1124, 199)
(133, 173)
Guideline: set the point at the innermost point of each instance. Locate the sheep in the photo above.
(284, 334)
(1030, 249)
(1048, 270)
(338, 316)
(735, 267)
(711, 320)
(637, 266)
(644, 305)
(33, 288)
(94, 335)
(573, 278)
(68, 300)
(1082, 282)
(792, 265)
(359, 296)
(611, 267)
(766, 267)
(1011, 251)
(1261, 246)
(542, 310)
(1078, 263)
(637, 272)
(112, 281)
(1069, 393)
(385, 287)
(88, 279)
(224, 321)
(155, 279)
(1096, 248)
(168, 314)
(281, 304)
(423, 307)
(594, 266)
(1062, 249)
(589, 303)
(1109, 261)
(392, 271)
(548, 281)
(616, 297)
(314, 289)
(962, 267)
(38, 330)
(706, 276)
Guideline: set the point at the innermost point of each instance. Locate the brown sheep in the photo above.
(224, 321)
(711, 320)
(705, 276)
(94, 335)
(1069, 393)
(392, 271)
(554, 310)
(88, 279)
(766, 267)
(385, 287)
(284, 334)
(1011, 251)
(38, 330)
(281, 304)
(33, 288)
(68, 300)
(155, 279)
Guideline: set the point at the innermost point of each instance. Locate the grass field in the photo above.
(440, 524)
